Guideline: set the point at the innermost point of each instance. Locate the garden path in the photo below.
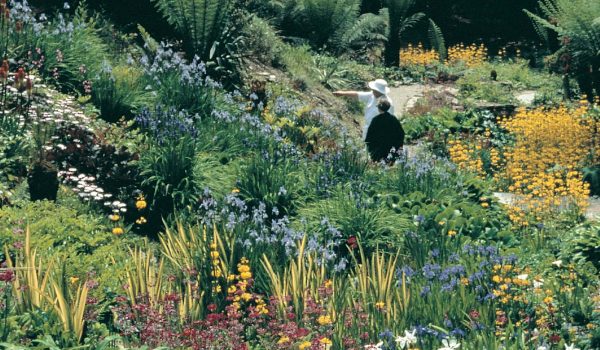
(592, 212)
(405, 96)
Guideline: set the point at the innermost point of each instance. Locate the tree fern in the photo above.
(399, 20)
(436, 38)
(368, 30)
(200, 23)
(577, 23)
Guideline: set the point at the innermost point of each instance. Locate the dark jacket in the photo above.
(384, 133)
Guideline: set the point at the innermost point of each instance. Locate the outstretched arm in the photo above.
(353, 94)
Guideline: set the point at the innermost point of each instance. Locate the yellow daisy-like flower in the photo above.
(284, 339)
(114, 217)
(246, 296)
(324, 320)
(380, 305)
(246, 275)
(451, 233)
(117, 231)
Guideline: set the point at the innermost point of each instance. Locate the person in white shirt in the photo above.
(379, 88)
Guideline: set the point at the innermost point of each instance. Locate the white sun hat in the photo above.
(379, 85)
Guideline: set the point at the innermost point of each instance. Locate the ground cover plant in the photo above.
(155, 193)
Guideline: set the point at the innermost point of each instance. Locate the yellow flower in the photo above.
(497, 279)
(117, 231)
(142, 220)
(231, 289)
(548, 300)
(235, 190)
(246, 296)
(324, 320)
(114, 217)
(243, 268)
(214, 254)
(304, 345)
(328, 283)
(141, 204)
(262, 309)
(216, 273)
(380, 305)
(74, 279)
(246, 275)
(325, 341)
(283, 339)
(451, 233)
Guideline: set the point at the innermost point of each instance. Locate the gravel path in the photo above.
(405, 96)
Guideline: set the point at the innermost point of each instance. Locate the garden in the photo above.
(180, 175)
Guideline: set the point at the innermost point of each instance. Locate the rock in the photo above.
(526, 97)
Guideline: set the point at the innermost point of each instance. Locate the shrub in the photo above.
(273, 179)
(179, 84)
(168, 173)
(117, 92)
(60, 231)
(579, 34)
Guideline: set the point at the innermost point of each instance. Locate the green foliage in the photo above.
(206, 29)
(513, 76)
(583, 245)
(399, 20)
(262, 40)
(351, 210)
(72, 53)
(579, 32)
(168, 172)
(325, 21)
(272, 179)
(436, 39)
(118, 92)
(334, 25)
(58, 230)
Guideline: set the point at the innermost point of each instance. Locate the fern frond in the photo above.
(410, 22)
(436, 38)
(368, 28)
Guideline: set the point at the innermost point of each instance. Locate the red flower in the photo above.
(212, 307)
(7, 276)
(555, 338)
(352, 242)
(474, 314)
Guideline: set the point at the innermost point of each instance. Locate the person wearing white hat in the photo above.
(379, 88)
